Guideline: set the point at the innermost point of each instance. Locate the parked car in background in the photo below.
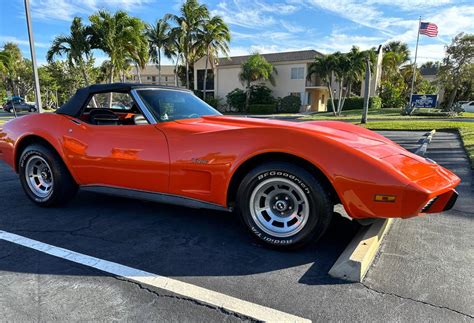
(19, 105)
(468, 106)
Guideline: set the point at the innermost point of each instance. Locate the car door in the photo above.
(124, 155)
(134, 157)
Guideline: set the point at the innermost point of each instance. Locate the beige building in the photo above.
(291, 67)
(150, 75)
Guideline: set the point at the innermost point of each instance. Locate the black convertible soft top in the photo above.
(75, 104)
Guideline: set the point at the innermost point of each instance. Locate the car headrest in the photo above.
(140, 120)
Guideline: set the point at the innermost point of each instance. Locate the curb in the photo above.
(355, 260)
(425, 142)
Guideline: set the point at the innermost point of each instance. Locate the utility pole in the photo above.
(366, 92)
(33, 57)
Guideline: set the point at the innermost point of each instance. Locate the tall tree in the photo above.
(76, 47)
(119, 36)
(11, 60)
(174, 50)
(255, 68)
(214, 37)
(159, 38)
(323, 67)
(458, 66)
(192, 17)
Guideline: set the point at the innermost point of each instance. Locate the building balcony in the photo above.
(315, 82)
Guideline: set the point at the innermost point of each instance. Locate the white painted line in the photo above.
(232, 304)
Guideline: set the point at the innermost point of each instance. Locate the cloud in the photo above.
(65, 10)
(253, 14)
(21, 42)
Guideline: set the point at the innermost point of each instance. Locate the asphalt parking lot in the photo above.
(424, 271)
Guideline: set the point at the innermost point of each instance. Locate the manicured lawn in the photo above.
(355, 115)
(465, 129)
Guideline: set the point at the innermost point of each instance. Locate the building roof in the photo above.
(75, 104)
(303, 55)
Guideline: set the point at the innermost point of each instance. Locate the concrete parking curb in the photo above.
(425, 142)
(355, 260)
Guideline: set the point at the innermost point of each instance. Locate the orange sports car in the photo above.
(165, 144)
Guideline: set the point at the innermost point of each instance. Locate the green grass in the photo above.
(355, 115)
(465, 129)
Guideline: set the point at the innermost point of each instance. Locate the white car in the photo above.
(468, 106)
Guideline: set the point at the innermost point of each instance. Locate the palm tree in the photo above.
(174, 49)
(323, 67)
(396, 54)
(75, 47)
(189, 22)
(120, 36)
(158, 37)
(256, 68)
(357, 64)
(214, 37)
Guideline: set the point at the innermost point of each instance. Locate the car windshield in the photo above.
(170, 105)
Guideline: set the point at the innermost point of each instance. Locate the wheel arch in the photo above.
(29, 140)
(254, 161)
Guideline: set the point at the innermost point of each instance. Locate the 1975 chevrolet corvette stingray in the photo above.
(167, 145)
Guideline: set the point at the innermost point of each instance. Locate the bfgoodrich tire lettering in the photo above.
(49, 171)
(283, 205)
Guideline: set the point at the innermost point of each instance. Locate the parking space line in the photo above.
(232, 304)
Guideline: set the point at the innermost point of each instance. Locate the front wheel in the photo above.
(284, 205)
(44, 177)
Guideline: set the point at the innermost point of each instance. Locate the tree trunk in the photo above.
(138, 73)
(159, 66)
(339, 101)
(176, 72)
(247, 98)
(86, 81)
(332, 98)
(112, 70)
(348, 93)
(452, 97)
(187, 73)
(205, 75)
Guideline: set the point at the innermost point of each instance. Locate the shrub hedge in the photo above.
(290, 104)
(262, 108)
(357, 103)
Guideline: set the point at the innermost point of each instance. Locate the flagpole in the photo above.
(414, 64)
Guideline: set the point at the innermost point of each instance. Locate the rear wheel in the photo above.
(283, 205)
(44, 177)
(32, 109)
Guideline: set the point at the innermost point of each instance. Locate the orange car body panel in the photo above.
(196, 158)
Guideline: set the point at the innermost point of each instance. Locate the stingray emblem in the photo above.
(199, 161)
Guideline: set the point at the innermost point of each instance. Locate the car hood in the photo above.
(343, 132)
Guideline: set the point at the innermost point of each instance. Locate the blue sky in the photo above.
(264, 25)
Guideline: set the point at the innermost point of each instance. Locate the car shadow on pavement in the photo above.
(161, 239)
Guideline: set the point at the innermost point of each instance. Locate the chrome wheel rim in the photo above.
(39, 177)
(279, 207)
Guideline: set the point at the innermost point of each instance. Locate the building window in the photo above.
(147, 78)
(322, 99)
(297, 73)
(153, 78)
(166, 78)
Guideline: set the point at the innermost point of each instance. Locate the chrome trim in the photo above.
(154, 197)
(146, 112)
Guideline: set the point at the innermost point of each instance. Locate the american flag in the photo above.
(428, 29)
